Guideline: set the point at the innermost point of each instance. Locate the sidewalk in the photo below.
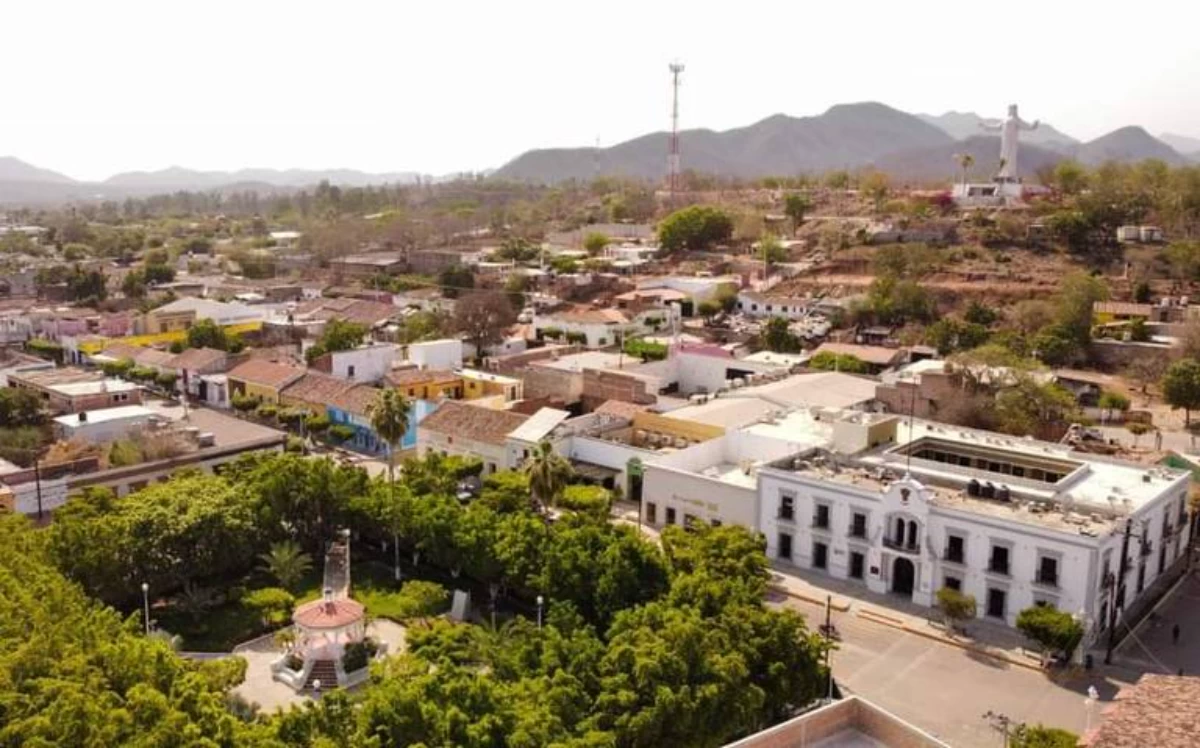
(982, 637)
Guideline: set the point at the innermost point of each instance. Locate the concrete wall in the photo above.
(437, 354)
(601, 386)
(851, 714)
(369, 364)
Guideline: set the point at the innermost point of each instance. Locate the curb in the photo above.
(969, 647)
(838, 605)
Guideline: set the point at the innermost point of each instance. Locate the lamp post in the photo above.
(828, 648)
(146, 606)
(540, 602)
(1092, 696)
(396, 555)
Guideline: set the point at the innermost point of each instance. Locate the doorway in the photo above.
(904, 575)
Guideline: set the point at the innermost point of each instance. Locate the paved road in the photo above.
(1151, 648)
(946, 690)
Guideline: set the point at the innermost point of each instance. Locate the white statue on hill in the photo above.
(1010, 134)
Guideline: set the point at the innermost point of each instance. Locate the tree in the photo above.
(286, 563)
(1110, 400)
(455, 280)
(1055, 630)
(389, 419)
(338, 335)
(1137, 428)
(1070, 177)
(595, 242)
(771, 251)
(695, 228)
(548, 473)
(1042, 737)
(421, 600)
(483, 317)
(134, 285)
(776, 336)
(590, 501)
(1029, 406)
(1181, 387)
(965, 162)
(20, 408)
(795, 207)
(955, 606)
(1142, 293)
(206, 333)
(273, 605)
(876, 186)
(1077, 296)
(980, 314)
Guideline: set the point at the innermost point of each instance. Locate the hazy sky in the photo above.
(91, 88)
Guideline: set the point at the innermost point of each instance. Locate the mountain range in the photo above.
(910, 147)
(21, 182)
(915, 147)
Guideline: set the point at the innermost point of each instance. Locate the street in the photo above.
(946, 690)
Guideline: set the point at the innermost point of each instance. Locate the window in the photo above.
(670, 515)
(856, 565)
(787, 507)
(996, 600)
(1047, 572)
(1141, 584)
(858, 525)
(956, 549)
(1162, 557)
(785, 546)
(821, 517)
(350, 372)
(999, 561)
(820, 556)
(953, 583)
(651, 513)
(1106, 569)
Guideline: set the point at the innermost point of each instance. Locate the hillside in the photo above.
(940, 164)
(964, 125)
(176, 177)
(1183, 143)
(16, 170)
(1127, 144)
(845, 136)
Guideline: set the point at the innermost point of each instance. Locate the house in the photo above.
(352, 407)
(366, 266)
(434, 261)
(616, 232)
(877, 358)
(285, 239)
(313, 392)
(602, 327)
(104, 425)
(262, 379)
(426, 384)
(15, 362)
(466, 430)
(181, 314)
(191, 366)
(367, 363)
(484, 384)
(446, 353)
(1158, 710)
(71, 390)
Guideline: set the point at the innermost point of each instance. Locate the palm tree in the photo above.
(287, 563)
(389, 419)
(966, 161)
(548, 473)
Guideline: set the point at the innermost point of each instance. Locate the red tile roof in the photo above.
(464, 421)
(267, 373)
(357, 399)
(316, 388)
(1158, 711)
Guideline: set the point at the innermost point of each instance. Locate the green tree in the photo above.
(287, 563)
(1055, 630)
(206, 333)
(776, 336)
(844, 362)
(389, 419)
(482, 317)
(455, 280)
(955, 606)
(590, 501)
(696, 228)
(1076, 298)
(1181, 386)
(980, 314)
(338, 335)
(548, 473)
(876, 186)
(795, 206)
(133, 285)
(1028, 406)
(1042, 737)
(20, 407)
(595, 242)
(771, 252)
(1070, 177)
(273, 605)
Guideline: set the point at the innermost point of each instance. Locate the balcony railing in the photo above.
(819, 524)
(1046, 580)
(954, 556)
(998, 567)
(787, 515)
(857, 532)
(901, 545)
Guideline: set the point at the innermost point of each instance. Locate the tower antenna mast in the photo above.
(676, 69)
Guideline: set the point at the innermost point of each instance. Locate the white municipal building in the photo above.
(909, 506)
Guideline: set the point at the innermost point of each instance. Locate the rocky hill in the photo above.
(1128, 144)
(845, 136)
(940, 163)
(965, 125)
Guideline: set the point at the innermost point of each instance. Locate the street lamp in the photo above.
(1092, 696)
(316, 688)
(396, 554)
(146, 605)
(540, 602)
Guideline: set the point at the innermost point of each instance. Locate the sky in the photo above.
(94, 88)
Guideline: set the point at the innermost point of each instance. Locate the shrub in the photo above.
(244, 403)
(1114, 401)
(273, 604)
(143, 373)
(294, 444)
(955, 606)
(117, 368)
(552, 333)
(266, 411)
(123, 453)
(166, 379)
(420, 599)
(340, 432)
(577, 337)
(357, 655)
(1055, 630)
(317, 424)
(844, 362)
(593, 501)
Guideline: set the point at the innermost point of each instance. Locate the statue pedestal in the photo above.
(987, 194)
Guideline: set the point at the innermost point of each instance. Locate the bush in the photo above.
(1053, 629)
(420, 599)
(577, 337)
(593, 501)
(844, 362)
(123, 453)
(266, 411)
(955, 606)
(143, 373)
(294, 444)
(1114, 401)
(552, 333)
(341, 433)
(645, 350)
(117, 368)
(317, 424)
(166, 380)
(357, 655)
(273, 605)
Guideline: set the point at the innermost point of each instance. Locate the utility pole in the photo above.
(37, 480)
(676, 69)
(1118, 593)
(828, 649)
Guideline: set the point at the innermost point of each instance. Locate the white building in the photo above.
(446, 354)
(103, 425)
(600, 328)
(367, 363)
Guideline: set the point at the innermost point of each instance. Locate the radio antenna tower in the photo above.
(676, 69)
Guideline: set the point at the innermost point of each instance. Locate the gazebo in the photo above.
(324, 627)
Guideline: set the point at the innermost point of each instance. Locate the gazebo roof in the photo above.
(328, 614)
